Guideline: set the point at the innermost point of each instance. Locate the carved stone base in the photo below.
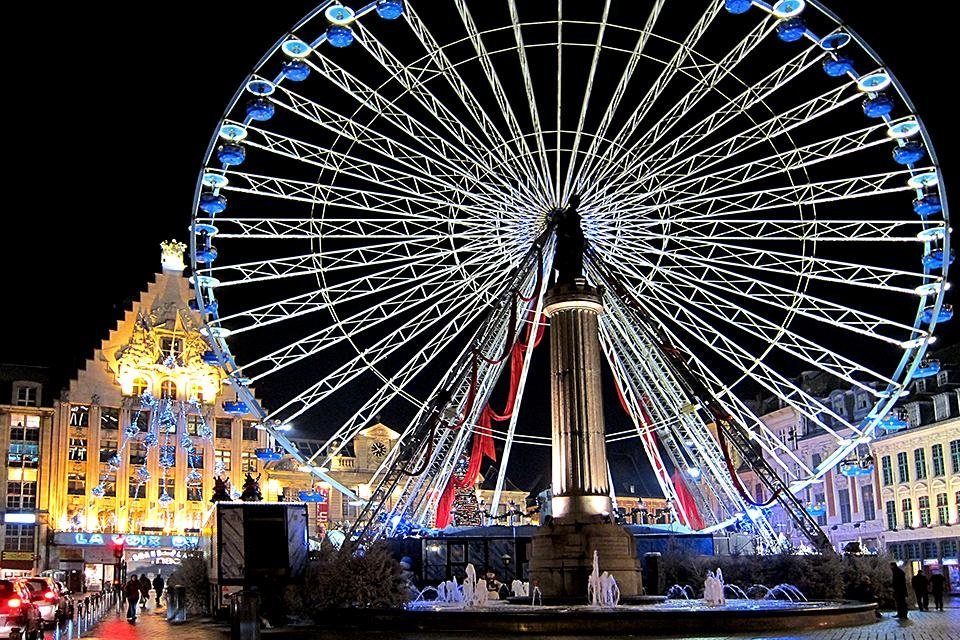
(562, 558)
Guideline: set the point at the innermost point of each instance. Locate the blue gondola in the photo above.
(207, 254)
(260, 110)
(877, 106)
(856, 467)
(927, 369)
(339, 36)
(390, 9)
(936, 260)
(910, 153)
(296, 70)
(791, 30)
(817, 510)
(738, 6)
(213, 203)
(237, 407)
(839, 66)
(211, 358)
(927, 205)
(946, 313)
(210, 307)
(269, 455)
(893, 423)
(231, 154)
(311, 496)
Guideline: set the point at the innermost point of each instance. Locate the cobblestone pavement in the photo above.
(151, 625)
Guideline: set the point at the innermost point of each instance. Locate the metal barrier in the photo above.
(244, 616)
(86, 614)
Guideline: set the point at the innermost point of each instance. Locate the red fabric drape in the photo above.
(689, 506)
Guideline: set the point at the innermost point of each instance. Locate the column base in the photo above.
(562, 558)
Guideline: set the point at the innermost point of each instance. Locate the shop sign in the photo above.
(132, 541)
(18, 555)
(158, 556)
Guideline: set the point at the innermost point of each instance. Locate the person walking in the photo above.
(158, 587)
(132, 591)
(920, 583)
(936, 586)
(899, 590)
(144, 590)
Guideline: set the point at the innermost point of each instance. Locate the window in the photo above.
(171, 347)
(929, 550)
(168, 390)
(920, 385)
(138, 452)
(221, 459)
(248, 462)
(819, 498)
(937, 456)
(109, 418)
(195, 459)
(108, 479)
(907, 505)
(140, 386)
(224, 428)
(911, 551)
(896, 551)
(79, 415)
(941, 406)
(941, 378)
(912, 411)
(24, 449)
(142, 420)
(348, 511)
(924, 503)
(19, 537)
(838, 405)
(108, 448)
(887, 468)
(903, 468)
(168, 455)
(167, 486)
(78, 449)
(138, 489)
(21, 496)
(943, 509)
(866, 498)
(891, 515)
(249, 430)
(195, 494)
(861, 401)
(843, 500)
(194, 424)
(920, 463)
(196, 392)
(948, 548)
(27, 395)
(77, 483)
(955, 456)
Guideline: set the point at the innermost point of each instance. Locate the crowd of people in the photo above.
(923, 588)
(137, 592)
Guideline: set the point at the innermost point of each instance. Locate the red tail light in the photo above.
(14, 603)
(50, 595)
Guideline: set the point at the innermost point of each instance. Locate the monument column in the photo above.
(580, 480)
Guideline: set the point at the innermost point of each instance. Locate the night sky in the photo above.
(107, 136)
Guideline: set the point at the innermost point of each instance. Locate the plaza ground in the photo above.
(151, 625)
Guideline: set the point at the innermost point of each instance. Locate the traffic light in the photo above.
(119, 543)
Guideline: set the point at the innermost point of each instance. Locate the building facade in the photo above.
(138, 436)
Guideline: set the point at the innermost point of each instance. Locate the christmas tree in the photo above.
(466, 508)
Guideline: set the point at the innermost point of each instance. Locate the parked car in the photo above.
(19, 617)
(51, 602)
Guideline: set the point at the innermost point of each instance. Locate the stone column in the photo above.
(580, 479)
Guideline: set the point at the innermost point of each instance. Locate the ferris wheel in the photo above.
(372, 228)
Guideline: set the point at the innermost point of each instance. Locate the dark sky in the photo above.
(106, 133)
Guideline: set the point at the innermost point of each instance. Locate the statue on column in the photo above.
(568, 259)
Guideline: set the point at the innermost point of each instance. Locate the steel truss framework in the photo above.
(380, 212)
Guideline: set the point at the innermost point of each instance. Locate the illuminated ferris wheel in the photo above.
(374, 212)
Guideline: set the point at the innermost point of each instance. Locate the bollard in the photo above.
(171, 604)
(245, 618)
(181, 614)
(652, 574)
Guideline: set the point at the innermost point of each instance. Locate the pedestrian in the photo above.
(144, 590)
(919, 583)
(132, 591)
(936, 586)
(158, 587)
(899, 590)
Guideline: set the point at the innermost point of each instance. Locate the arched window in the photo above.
(168, 390)
(196, 392)
(140, 385)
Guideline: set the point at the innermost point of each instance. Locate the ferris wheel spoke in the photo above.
(798, 158)
(585, 103)
(503, 101)
(363, 169)
(414, 226)
(683, 55)
(709, 76)
(651, 164)
(723, 230)
(617, 97)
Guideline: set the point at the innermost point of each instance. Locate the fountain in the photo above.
(677, 591)
(713, 589)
